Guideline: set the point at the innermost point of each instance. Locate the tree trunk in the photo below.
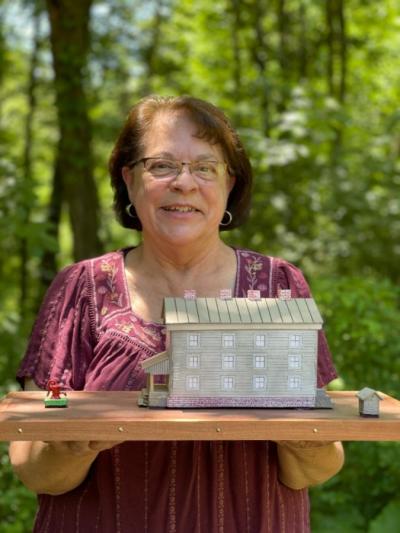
(237, 68)
(336, 64)
(337, 49)
(48, 264)
(27, 167)
(3, 54)
(149, 54)
(330, 37)
(69, 36)
(343, 50)
(283, 30)
(303, 49)
(260, 53)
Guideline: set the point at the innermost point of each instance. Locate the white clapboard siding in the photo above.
(244, 339)
(211, 384)
(276, 352)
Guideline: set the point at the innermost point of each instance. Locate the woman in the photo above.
(180, 174)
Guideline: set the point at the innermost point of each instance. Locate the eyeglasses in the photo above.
(168, 168)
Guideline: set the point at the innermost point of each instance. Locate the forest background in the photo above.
(312, 86)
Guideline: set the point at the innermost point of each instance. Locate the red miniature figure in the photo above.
(53, 396)
(54, 388)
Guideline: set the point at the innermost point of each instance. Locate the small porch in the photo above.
(155, 394)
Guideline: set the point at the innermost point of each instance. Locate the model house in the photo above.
(368, 402)
(236, 352)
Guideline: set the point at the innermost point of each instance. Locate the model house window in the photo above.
(194, 340)
(294, 382)
(259, 382)
(228, 341)
(260, 341)
(294, 361)
(259, 361)
(193, 361)
(228, 361)
(228, 382)
(192, 383)
(295, 341)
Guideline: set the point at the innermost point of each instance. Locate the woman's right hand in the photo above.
(82, 447)
(53, 467)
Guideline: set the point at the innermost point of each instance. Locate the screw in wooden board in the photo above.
(120, 429)
(315, 430)
(218, 430)
(20, 430)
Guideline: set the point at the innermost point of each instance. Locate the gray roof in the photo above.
(241, 311)
(366, 393)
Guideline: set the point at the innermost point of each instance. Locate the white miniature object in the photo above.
(284, 294)
(225, 294)
(253, 294)
(189, 294)
(368, 402)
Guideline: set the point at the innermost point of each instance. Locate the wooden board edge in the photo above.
(313, 430)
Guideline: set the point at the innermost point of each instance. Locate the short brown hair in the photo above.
(213, 126)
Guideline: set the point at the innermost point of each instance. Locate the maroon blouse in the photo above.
(87, 337)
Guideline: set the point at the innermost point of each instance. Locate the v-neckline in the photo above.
(122, 255)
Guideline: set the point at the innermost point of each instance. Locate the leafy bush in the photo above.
(17, 504)
(362, 320)
(388, 520)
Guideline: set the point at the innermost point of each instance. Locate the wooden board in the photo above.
(116, 416)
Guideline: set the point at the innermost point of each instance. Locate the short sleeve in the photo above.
(287, 276)
(62, 340)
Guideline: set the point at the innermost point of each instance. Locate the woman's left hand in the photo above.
(306, 463)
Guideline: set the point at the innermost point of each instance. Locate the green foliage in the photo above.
(388, 520)
(362, 317)
(17, 504)
(361, 321)
(364, 494)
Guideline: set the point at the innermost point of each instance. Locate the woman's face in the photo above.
(183, 210)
